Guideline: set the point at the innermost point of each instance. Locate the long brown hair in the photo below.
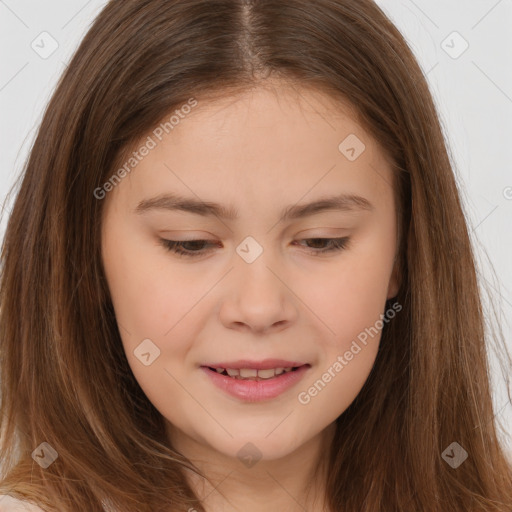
(65, 378)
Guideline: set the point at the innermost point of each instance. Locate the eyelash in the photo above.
(337, 244)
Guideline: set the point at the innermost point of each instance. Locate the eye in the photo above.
(196, 247)
(335, 244)
(180, 248)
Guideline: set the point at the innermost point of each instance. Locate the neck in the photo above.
(293, 483)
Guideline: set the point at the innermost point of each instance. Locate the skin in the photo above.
(259, 152)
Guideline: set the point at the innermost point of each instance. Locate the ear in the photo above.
(394, 282)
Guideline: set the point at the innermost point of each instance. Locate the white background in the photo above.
(473, 93)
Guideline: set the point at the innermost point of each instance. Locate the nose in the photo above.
(258, 299)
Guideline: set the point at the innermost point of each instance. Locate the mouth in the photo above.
(253, 373)
(249, 384)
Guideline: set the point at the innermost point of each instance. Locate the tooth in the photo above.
(253, 374)
(248, 372)
(266, 374)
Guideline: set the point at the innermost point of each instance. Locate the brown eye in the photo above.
(190, 248)
(334, 244)
(194, 248)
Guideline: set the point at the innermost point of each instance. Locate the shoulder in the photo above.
(10, 504)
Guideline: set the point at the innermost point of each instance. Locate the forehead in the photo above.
(276, 106)
(262, 144)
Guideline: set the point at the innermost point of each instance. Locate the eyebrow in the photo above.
(172, 202)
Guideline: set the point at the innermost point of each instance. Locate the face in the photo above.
(267, 281)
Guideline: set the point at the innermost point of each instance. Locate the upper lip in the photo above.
(266, 364)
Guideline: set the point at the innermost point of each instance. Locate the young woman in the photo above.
(237, 275)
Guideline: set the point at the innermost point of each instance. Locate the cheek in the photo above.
(145, 291)
(151, 298)
(351, 306)
(351, 295)
(153, 309)
(350, 300)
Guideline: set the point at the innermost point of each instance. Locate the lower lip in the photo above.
(256, 391)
